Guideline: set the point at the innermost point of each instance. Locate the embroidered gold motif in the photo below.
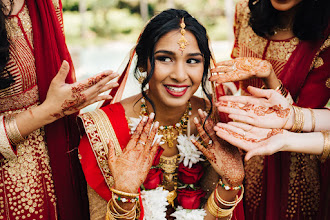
(318, 62)
(327, 83)
(5, 147)
(26, 181)
(12, 24)
(99, 131)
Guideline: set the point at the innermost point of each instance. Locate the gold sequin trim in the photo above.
(5, 147)
(13, 25)
(99, 131)
(327, 83)
(318, 62)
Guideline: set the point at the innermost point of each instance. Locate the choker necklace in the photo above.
(168, 131)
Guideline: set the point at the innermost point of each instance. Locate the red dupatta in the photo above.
(61, 136)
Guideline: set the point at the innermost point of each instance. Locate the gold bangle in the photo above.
(313, 119)
(281, 89)
(299, 119)
(229, 188)
(326, 147)
(226, 203)
(215, 210)
(13, 133)
(131, 214)
(120, 193)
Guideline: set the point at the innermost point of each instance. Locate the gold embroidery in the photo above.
(327, 83)
(318, 62)
(99, 131)
(5, 147)
(12, 24)
(26, 181)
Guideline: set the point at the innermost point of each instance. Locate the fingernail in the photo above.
(200, 111)
(144, 118)
(152, 115)
(193, 140)
(205, 113)
(156, 124)
(195, 120)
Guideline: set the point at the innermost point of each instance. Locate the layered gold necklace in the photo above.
(170, 132)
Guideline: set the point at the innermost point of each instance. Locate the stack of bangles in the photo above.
(13, 133)
(215, 200)
(115, 211)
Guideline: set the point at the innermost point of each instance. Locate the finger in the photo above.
(238, 99)
(111, 155)
(63, 72)
(222, 69)
(101, 78)
(205, 151)
(205, 138)
(243, 118)
(151, 136)
(137, 133)
(244, 126)
(260, 93)
(231, 128)
(230, 138)
(221, 78)
(202, 116)
(235, 111)
(226, 63)
(146, 131)
(154, 150)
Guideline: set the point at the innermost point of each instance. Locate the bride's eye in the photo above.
(163, 59)
(193, 61)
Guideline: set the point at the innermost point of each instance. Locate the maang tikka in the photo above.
(183, 41)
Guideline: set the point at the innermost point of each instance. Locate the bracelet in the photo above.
(125, 194)
(226, 203)
(215, 210)
(229, 188)
(299, 119)
(13, 133)
(127, 214)
(281, 89)
(326, 147)
(313, 119)
(123, 199)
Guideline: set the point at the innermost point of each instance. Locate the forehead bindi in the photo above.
(169, 42)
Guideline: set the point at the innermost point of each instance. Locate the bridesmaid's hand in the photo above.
(225, 158)
(241, 69)
(65, 99)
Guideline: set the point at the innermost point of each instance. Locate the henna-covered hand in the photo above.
(65, 99)
(130, 169)
(241, 68)
(266, 108)
(254, 140)
(225, 158)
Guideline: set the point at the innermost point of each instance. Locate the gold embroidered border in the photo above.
(99, 131)
(5, 147)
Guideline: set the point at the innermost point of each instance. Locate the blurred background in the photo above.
(100, 33)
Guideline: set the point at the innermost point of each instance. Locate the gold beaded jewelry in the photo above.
(13, 133)
(226, 203)
(120, 193)
(326, 147)
(112, 212)
(299, 119)
(182, 41)
(229, 188)
(313, 119)
(215, 210)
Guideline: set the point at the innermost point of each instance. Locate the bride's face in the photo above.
(177, 73)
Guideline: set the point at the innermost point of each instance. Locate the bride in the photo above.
(155, 155)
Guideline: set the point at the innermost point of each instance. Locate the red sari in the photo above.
(100, 125)
(287, 185)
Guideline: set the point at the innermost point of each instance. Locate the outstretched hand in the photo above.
(130, 169)
(225, 158)
(266, 108)
(254, 140)
(241, 68)
(65, 99)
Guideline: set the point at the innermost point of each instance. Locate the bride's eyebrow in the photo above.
(165, 51)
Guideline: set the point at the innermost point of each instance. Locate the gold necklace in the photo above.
(168, 131)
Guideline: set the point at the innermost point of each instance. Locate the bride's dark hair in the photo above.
(157, 27)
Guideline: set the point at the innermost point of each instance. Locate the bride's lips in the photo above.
(176, 90)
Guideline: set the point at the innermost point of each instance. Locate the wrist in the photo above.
(271, 81)
(290, 121)
(46, 113)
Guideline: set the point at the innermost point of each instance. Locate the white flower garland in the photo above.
(189, 214)
(154, 203)
(188, 151)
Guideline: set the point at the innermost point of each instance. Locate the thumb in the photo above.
(63, 72)
(260, 93)
(112, 154)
